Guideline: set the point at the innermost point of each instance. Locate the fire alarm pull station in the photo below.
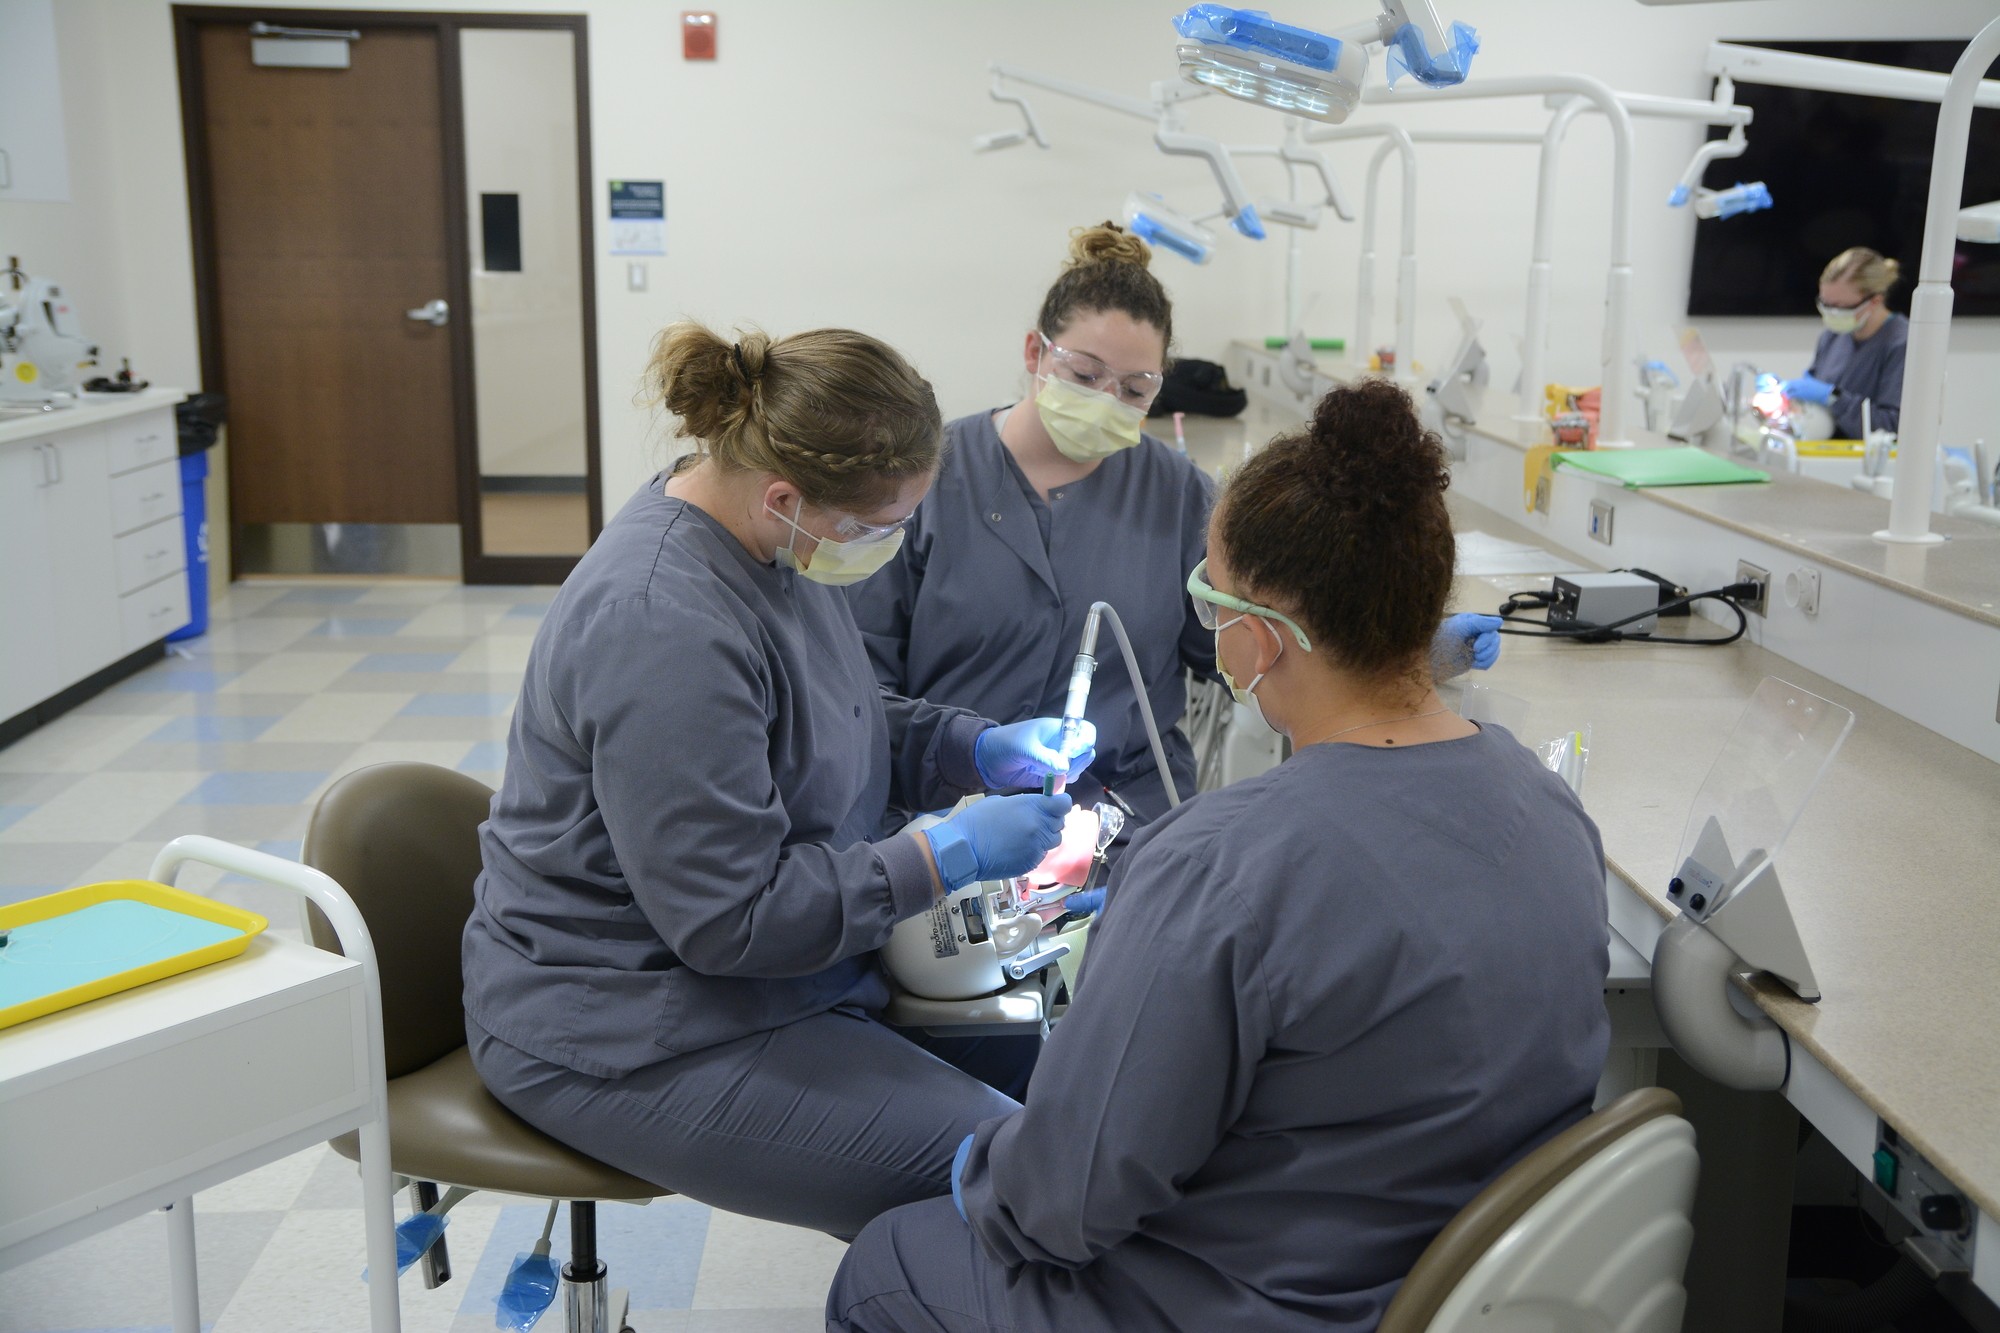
(697, 34)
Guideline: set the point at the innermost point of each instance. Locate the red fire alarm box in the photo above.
(697, 34)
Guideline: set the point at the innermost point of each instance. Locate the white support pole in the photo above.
(1617, 370)
(1930, 307)
(377, 1202)
(1541, 262)
(1394, 139)
(184, 1280)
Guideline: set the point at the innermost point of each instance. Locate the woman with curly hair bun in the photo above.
(1324, 1006)
(1059, 501)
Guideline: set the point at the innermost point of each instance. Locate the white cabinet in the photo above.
(27, 668)
(92, 563)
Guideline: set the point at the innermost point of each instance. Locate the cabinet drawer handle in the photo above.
(154, 498)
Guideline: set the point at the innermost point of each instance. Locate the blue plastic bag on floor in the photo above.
(414, 1235)
(529, 1290)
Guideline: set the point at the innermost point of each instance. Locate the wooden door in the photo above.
(326, 204)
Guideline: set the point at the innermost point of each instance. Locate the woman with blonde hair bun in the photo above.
(670, 963)
(1860, 353)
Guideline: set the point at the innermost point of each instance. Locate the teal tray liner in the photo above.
(95, 942)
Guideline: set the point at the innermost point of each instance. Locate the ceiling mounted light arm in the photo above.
(1127, 106)
(985, 143)
(1175, 141)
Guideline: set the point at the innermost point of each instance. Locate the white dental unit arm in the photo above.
(1733, 915)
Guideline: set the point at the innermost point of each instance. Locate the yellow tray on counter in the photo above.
(82, 944)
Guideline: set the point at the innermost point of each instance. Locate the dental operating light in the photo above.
(1251, 56)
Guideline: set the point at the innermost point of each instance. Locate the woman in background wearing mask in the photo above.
(1860, 356)
(1056, 502)
(670, 961)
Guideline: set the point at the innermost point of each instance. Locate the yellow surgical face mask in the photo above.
(1086, 425)
(835, 563)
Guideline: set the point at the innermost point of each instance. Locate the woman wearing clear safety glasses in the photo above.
(1056, 502)
(1324, 1006)
(670, 963)
(1859, 357)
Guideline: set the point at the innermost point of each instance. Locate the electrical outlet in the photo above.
(1757, 574)
(1542, 494)
(1600, 521)
(1802, 590)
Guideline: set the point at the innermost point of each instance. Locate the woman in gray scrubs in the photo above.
(1324, 1006)
(1859, 357)
(670, 963)
(1054, 503)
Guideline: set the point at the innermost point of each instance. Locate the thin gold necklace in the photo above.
(1383, 722)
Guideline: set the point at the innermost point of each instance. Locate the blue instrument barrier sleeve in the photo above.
(1407, 54)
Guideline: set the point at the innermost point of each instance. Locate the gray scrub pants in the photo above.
(918, 1270)
(823, 1123)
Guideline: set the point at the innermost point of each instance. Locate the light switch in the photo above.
(635, 277)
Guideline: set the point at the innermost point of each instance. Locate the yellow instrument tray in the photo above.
(83, 944)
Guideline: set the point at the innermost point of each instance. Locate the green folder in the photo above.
(1682, 466)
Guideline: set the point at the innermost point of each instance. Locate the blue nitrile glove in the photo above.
(1483, 632)
(1088, 903)
(1809, 390)
(1022, 754)
(997, 838)
(958, 1170)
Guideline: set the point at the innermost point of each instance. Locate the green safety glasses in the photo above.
(1206, 599)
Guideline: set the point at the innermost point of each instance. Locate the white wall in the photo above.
(819, 173)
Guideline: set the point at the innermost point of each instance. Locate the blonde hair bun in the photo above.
(839, 414)
(1107, 243)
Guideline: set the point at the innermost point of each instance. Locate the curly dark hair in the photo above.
(1343, 526)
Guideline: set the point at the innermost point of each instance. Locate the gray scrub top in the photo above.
(1324, 1007)
(1871, 369)
(981, 611)
(678, 855)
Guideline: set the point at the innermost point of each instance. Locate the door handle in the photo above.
(435, 313)
(55, 455)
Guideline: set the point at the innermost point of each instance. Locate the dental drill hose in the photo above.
(1079, 695)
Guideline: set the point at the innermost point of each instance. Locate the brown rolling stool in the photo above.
(1590, 1230)
(403, 840)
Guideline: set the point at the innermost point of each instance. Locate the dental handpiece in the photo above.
(1079, 695)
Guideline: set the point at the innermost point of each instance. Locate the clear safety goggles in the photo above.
(1137, 387)
(1207, 599)
(1854, 309)
(852, 529)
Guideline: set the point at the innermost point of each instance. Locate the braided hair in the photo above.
(838, 414)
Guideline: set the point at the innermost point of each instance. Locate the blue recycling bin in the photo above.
(194, 518)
